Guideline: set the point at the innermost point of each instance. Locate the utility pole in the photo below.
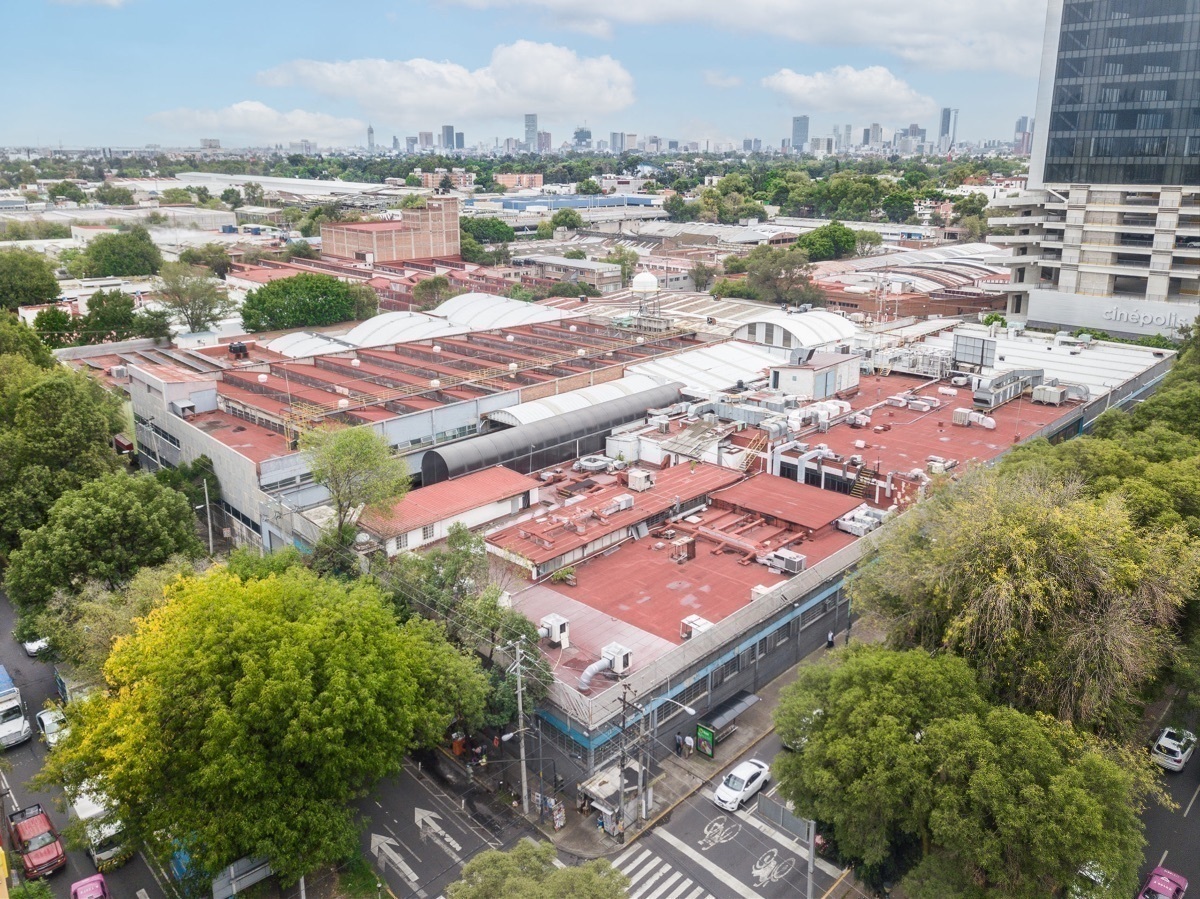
(812, 849)
(208, 518)
(621, 767)
(521, 719)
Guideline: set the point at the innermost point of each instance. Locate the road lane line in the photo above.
(836, 883)
(1164, 857)
(715, 870)
(1189, 805)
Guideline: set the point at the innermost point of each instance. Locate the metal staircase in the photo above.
(863, 483)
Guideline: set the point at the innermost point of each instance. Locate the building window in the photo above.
(402, 541)
(427, 532)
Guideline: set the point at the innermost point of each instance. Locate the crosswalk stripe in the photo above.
(666, 885)
(654, 865)
(683, 888)
(696, 893)
(625, 856)
(629, 865)
(658, 873)
(735, 885)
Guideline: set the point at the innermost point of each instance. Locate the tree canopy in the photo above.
(528, 870)
(192, 297)
(105, 531)
(212, 255)
(357, 467)
(17, 339)
(26, 279)
(306, 694)
(781, 276)
(567, 218)
(1056, 599)
(122, 254)
(304, 300)
(906, 766)
(56, 430)
(487, 229)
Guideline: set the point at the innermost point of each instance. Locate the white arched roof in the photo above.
(399, 327)
(538, 410)
(485, 311)
(306, 343)
(809, 329)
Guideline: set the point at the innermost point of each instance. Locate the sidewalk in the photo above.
(678, 778)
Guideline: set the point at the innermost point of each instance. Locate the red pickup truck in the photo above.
(35, 840)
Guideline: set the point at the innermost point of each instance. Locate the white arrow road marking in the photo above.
(383, 848)
(427, 822)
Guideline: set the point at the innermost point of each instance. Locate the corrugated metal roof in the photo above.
(810, 329)
(484, 311)
(537, 410)
(441, 502)
(710, 369)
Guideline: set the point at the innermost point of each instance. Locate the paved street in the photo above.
(36, 682)
(1171, 836)
(702, 850)
(424, 824)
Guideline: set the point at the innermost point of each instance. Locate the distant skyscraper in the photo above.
(543, 142)
(459, 140)
(395, 144)
(748, 145)
(410, 144)
(948, 129)
(425, 139)
(531, 132)
(1022, 125)
(630, 142)
(866, 141)
(371, 138)
(447, 137)
(944, 129)
(616, 141)
(799, 133)
(847, 140)
(876, 134)
(583, 137)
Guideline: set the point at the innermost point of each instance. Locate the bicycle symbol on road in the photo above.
(768, 870)
(717, 831)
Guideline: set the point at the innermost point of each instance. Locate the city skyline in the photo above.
(570, 64)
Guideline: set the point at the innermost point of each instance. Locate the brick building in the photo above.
(415, 234)
(511, 180)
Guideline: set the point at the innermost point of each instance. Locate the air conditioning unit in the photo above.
(693, 625)
(119, 371)
(786, 561)
(640, 480)
(557, 629)
(620, 657)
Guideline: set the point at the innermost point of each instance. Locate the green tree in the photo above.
(232, 197)
(957, 789)
(122, 254)
(528, 870)
(734, 265)
(17, 339)
(176, 196)
(67, 191)
(545, 231)
(106, 530)
(110, 316)
(702, 275)
(487, 229)
(865, 242)
(1058, 602)
(55, 326)
(304, 300)
(253, 192)
(782, 276)
(26, 279)
(192, 297)
(574, 253)
(572, 289)
(972, 204)
(357, 467)
(727, 287)
(433, 291)
(212, 256)
(680, 210)
(365, 301)
(627, 259)
(305, 696)
(111, 195)
(588, 187)
(832, 241)
(567, 218)
(898, 206)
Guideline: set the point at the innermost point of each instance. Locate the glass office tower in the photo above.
(1125, 103)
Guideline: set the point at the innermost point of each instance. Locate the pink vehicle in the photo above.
(1164, 884)
(92, 887)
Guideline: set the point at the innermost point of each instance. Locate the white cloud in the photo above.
(257, 122)
(1004, 35)
(873, 92)
(717, 78)
(520, 77)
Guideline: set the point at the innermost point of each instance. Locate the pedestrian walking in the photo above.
(689, 745)
(829, 641)
(679, 743)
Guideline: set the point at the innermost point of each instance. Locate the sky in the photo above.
(251, 73)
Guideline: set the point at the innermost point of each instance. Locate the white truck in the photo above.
(14, 725)
(105, 832)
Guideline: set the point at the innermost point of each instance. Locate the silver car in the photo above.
(741, 784)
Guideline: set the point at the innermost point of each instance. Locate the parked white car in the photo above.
(1173, 748)
(741, 784)
(53, 725)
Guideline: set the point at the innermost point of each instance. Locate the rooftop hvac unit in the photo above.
(1051, 396)
(557, 629)
(960, 381)
(662, 423)
(941, 466)
(119, 371)
(621, 503)
(640, 480)
(592, 463)
(856, 460)
(618, 656)
(693, 625)
(898, 401)
(786, 561)
(961, 417)
(758, 591)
